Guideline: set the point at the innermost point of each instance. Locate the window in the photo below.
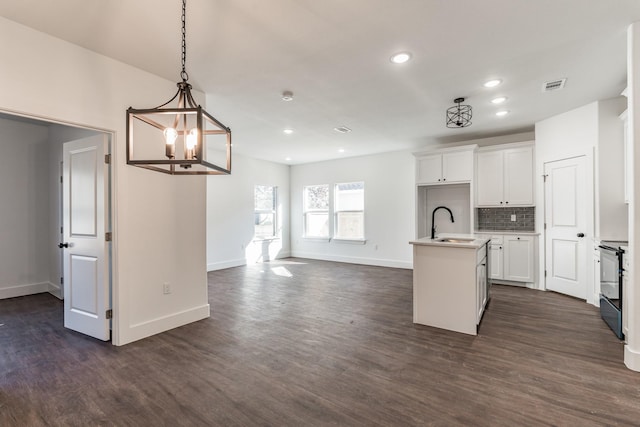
(316, 211)
(349, 211)
(265, 199)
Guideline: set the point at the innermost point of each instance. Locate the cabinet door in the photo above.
(518, 177)
(495, 259)
(457, 166)
(490, 179)
(481, 288)
(518, 258)
(429, 169)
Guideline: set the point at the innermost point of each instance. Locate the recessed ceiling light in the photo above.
(493, 83)
(288, 159)
(341, 150)
(342, 129)
(287, 95)
(401, 57)
(288, 131)
(502, 113)
(499, 100)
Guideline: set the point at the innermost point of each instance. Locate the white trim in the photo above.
(23, 290)
(631, 358)
(355, 260)
(165, 323)
(226, 264)
(350, 241)
(55, 290)
(317, 239)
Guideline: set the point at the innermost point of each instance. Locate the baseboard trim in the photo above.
(631, 358)
(226, 264)
(55, 290)
(23, 290)
(148, 328)
(238, 262)
(355, 260)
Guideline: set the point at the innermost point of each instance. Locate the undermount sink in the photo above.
(455, 240)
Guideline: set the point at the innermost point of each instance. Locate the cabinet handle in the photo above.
(506, 203)
(500, 202)
(439, 179)
(518, 238)
(444, 179)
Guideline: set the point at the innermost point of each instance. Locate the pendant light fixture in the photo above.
(459, 116)
(178, 137)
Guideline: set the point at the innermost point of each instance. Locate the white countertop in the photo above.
(474, 241)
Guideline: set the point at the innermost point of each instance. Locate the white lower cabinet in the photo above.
(512, 258)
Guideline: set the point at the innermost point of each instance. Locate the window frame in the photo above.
(306, 211)
(274, 211)
(337, 211)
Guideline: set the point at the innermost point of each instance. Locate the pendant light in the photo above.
(178, 137)
(459, 116)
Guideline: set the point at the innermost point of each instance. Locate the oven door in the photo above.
(611, 287)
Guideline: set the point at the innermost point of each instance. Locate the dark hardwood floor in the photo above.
(303, 343)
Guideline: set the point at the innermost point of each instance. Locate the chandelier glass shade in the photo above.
(459, 116)
(178, 137)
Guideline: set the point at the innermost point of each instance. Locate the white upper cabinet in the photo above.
(445, 167)
(505, 177)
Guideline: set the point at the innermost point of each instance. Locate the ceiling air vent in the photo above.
(553, 85)
(342, 129)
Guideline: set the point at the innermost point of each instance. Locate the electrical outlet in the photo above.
(513, 217)
(375, 247)
(166, 288)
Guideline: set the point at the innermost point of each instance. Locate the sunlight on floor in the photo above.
(281, 271)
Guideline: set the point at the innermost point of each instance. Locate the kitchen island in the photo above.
(450, 289)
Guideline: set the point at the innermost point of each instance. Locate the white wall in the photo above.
(389, 186)
(595, 131)
(24, 209)
(159, 220)
(230, 214)
(612, 220)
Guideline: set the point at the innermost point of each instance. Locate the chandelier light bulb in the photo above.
(170, 136)
(192, 139)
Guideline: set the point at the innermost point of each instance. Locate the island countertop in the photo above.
(470, 241)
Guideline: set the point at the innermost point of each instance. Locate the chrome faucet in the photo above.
(433, 217)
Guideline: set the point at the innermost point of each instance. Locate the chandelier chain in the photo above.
(184, 74)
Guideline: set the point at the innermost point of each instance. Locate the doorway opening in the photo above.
(32, 217)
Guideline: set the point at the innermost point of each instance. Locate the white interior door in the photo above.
(567, 225)
(85, 219)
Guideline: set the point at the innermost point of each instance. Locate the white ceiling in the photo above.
(334, 56)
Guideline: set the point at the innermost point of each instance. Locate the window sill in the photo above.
(265, 239)
(350, 241)
(317, 239)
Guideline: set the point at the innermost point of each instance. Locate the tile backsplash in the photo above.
(489, 219)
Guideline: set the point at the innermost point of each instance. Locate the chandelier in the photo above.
(459, 116)
(178, 137)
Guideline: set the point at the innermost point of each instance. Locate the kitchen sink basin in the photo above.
(455, 240)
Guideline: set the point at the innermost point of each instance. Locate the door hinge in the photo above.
(545, 273)
(544, 177)
(109, 314)
(62, 280)
(107, 159)
(60, 179)
(61, 230)
(108, 236)
(545, 225)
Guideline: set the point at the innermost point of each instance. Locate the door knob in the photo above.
(580, 234)
(63, 245)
